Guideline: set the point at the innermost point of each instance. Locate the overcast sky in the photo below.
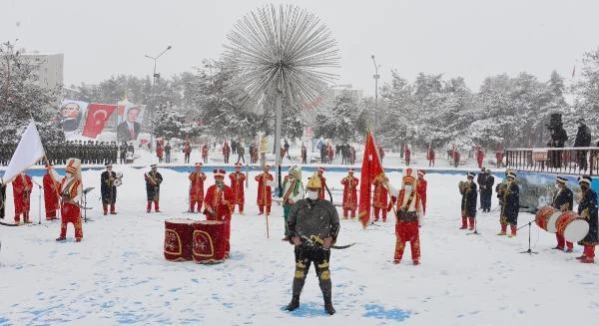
(469, 38)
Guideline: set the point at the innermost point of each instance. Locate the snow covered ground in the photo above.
(118, 274)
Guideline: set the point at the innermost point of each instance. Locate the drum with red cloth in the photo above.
(177, 239)
(572, 227)
(209, 243)
(546, 218)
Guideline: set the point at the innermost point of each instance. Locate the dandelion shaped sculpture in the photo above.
(281, 51)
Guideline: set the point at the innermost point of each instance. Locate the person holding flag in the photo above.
(323, 184)
(51, 182)
(371, 169)
(237, 185)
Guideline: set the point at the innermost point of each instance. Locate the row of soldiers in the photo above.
(90, 152)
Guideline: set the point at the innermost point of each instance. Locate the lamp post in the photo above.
(155, 77)
(376, 77)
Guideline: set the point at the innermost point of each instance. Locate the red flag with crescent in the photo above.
(371, 168)
(97, 115)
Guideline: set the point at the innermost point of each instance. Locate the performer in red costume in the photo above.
(350, 194)
(71, 190)
(196, 188)
(264, 190)
(237, 185)
(219, 203)
(379, 199)
(51, 182)
(21, 187)
(409, 215)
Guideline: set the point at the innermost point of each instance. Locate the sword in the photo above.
(317, 240)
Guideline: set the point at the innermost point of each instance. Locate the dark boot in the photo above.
(294, 304)
(328, 305)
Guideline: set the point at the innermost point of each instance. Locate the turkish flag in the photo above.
(371, 168)
(97, 115)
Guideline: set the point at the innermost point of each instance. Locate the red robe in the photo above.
(196, 188)
(220, 202)
(379, 199)
(480, 156)
(21, 187)
(264, 191)
(350, 192)
(407, 154)
(50, 195)
(323, 187)
(237, 185)
(70, 211)
(421, 189)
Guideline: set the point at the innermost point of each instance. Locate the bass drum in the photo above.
(119, 179)
(572, 227)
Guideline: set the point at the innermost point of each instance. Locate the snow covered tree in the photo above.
(341, 121)
(22, 99)
(587, 89)
(170, 124)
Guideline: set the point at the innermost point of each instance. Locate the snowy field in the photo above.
(118, 274)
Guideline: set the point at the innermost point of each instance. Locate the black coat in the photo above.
(2, 200)
(153, 190)
(487, 185)
(563, 199)
(588, 209)
(558, 137)
(108, 188)
(469, 197)
(510, 204)
(122, 131)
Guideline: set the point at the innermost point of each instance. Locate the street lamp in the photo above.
(376, 77)
(156, 76)
(156, 59)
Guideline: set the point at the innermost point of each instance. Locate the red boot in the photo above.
(471, 222)
(513, 229)
(149, 207)
(112, 209)
(464, 225)
(156, 206)
(589, 255)
(105, 207)
(503, 229)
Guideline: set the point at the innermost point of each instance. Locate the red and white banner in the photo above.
(97, 115)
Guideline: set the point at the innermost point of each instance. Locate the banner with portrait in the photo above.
(70, 117)
(130, 119)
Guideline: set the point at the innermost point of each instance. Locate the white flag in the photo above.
(29, 151)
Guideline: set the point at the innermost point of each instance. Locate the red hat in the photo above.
(421, 173)
(219, 173)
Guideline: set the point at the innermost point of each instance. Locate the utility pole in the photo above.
(376, 77)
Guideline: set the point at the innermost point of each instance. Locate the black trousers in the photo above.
(304, 257)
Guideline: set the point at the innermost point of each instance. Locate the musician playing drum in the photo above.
(563, 199)
(108, 189)
(219, 202)
(153, 181)
(587, 209)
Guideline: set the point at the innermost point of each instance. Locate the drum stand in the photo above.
(529, 251)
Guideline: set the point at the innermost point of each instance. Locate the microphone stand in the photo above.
(39, 204)
(529, 251)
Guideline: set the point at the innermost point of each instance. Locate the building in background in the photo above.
(355, 94)
(50, 70)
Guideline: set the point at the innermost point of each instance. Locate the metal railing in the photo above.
(565, 160)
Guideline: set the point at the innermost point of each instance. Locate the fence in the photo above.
(565, 160)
